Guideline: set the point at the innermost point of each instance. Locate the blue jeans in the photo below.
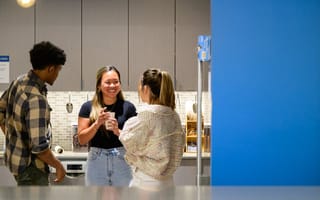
(107, 167)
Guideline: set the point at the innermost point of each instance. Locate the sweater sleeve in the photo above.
(133, 134)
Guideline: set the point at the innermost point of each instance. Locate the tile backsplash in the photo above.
(61, 120)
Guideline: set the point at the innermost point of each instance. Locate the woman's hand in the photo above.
(103, 116)
(113, 126)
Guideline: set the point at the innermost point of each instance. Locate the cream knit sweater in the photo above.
(154, 141)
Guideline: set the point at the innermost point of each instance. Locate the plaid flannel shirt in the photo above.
(25, 112)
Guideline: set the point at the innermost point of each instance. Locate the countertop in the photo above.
(176, 193)
(83, 155)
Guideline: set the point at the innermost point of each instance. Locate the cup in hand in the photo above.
(109, 122)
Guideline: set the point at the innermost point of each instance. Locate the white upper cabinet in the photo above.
(132, 35)
(16, 38)
(151, 37)
(59, 21)
(192, 20)
(104, 39)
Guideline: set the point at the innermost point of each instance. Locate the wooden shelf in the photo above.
(194, 136)
(191, 136)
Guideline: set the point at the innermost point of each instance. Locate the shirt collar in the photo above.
(40, 83)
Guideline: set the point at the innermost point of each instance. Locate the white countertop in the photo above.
(83, 155)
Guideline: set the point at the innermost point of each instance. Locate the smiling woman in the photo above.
(105, 163)
(26, 3)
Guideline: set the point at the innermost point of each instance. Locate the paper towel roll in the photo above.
(58, 149)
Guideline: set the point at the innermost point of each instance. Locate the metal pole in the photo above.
(199, 124)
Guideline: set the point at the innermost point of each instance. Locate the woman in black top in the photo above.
(105, 163)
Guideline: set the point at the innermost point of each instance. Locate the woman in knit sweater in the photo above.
(154, 139)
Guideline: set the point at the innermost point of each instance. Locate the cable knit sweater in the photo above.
(154, 140)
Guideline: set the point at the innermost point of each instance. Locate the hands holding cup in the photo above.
(110, 122)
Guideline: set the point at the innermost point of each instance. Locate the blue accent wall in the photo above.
(265, 92)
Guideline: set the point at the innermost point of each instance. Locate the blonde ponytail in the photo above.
(167, 96)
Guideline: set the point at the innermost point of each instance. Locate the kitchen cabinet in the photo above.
(59, 21)
(186, 173)
(7, 179)
(188, 166)
(2, 160)
(192, 20)
(132, 35)
(151, 37)
(192, 136)
(104, 39)
(17, 38)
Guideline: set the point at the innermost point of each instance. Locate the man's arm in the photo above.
(37, 116)
(48, 157)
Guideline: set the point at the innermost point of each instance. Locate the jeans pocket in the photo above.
(121, 157)
(92, 155)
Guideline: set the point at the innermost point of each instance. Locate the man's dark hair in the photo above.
(44, 54)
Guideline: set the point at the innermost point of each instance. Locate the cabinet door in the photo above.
(151, 37)
(16, 38)
(192, 20)
(105, 39)
(59, 22)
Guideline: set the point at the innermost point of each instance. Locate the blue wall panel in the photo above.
(266, 92)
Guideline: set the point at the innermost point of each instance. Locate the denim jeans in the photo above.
(32, 176)
(107, 167)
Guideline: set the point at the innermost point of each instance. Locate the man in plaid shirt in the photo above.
(25, 118)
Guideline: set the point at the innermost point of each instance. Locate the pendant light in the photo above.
(26, 3)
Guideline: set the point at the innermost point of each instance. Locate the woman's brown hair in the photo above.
(161, 87)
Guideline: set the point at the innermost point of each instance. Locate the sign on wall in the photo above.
(4, 69)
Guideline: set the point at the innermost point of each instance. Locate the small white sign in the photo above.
(4, 69)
